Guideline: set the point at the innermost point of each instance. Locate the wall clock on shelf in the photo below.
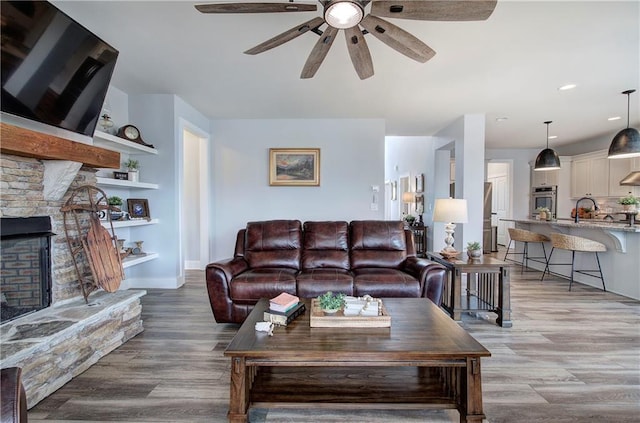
(131, 133)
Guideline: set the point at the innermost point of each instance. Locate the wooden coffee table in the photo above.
(424, 360)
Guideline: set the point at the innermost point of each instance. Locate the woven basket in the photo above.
(576, 243)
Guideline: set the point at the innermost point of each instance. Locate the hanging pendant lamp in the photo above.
(626, 143)
(547, 159)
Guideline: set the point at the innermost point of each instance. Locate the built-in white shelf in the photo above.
(134, 260)
(129, 223)
(125, 184)
(111, 142)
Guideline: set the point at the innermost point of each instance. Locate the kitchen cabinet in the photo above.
(618, 169)
(590, 175)
(126, 229)
(543, 178)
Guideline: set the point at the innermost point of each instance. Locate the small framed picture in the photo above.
(123, 176)
(294, 167)
(420, 183)
(138, 208)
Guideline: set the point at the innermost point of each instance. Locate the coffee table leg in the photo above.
(470, 397)
(240, 386)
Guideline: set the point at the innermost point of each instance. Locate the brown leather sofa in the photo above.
(14, 398)
(362, 257)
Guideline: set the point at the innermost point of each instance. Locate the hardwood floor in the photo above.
(569, 357)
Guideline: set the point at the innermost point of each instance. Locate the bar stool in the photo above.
(576, 244)
(526, 237)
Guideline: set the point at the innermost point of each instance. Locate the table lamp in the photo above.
(450, 211)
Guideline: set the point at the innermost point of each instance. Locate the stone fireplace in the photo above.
(56, 343)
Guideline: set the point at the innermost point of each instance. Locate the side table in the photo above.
(488, 286)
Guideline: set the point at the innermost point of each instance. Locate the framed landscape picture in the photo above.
(294, 167)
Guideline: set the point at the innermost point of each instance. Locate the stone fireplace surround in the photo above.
(55, 344)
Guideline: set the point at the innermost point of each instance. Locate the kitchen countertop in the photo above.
(583, 223)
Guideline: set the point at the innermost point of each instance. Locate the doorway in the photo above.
(499, 175)
(194, 216)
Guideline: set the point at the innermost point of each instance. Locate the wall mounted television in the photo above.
(54, 70)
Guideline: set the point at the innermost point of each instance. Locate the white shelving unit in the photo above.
(126, 148)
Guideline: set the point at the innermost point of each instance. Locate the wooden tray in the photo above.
(319, 319)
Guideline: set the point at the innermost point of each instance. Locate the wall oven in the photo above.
(546, 196)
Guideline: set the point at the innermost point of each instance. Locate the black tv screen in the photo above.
(54, 70)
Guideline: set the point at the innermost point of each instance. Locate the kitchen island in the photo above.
(620, 263)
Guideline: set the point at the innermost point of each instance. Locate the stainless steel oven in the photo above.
(546, 196)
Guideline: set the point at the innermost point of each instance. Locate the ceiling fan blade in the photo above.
(397, 38)
(435, 10)
(286, 36)
(319, 52)
(359, 52)
(255, 7)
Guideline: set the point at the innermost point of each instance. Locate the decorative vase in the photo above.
(474, 254)
(330, 310)
(629, 208)
(542, 215)
(132, 175)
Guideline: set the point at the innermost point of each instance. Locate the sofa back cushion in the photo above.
(273, 243)
(377, 243)
(326, 244)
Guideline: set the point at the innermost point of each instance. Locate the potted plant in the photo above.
(115, 202)
(132, 169)
(474, 250)
(629, 203)
(410, 219)
(330, 302)
(543, 213)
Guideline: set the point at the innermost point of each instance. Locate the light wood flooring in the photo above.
(569, 357)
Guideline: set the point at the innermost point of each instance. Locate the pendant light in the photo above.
(547, 159)
(626, 143)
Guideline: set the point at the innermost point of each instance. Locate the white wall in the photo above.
(351, 161)
(521, 176)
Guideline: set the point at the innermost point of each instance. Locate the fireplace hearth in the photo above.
(25, 265)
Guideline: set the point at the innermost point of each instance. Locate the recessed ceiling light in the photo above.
(615, 118)
(501, 119)
(553, 137)
(567, 87)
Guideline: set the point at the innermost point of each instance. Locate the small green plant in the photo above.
(331, 301)
(114, 201)
(131, 164)
(473, 246)
(410, 219)
(629, 200)
(542, 209)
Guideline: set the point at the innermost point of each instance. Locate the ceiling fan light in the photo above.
(625, 144)
(343, 14)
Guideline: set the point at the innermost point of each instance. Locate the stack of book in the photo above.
(283, 309)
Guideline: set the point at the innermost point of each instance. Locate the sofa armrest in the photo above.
(219, 276)
(14, 398)
(432, 277)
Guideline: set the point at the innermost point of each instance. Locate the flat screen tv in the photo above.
(54, 70)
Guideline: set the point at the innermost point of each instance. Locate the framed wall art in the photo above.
(294, 167)
(138, 208)
(420, 183)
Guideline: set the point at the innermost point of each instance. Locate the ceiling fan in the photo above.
(350, 15)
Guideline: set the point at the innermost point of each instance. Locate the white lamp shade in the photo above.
(408, 197)
(450, 210)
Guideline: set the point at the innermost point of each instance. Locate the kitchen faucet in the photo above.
(595, 205)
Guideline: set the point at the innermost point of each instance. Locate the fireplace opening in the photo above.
(25, 265)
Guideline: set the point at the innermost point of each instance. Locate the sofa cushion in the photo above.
(250, 286)
(326, 244)
(377, 244)
(274, 243)
(315, 282)
(385, 283)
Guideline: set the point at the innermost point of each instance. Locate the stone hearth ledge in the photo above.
(58, 343)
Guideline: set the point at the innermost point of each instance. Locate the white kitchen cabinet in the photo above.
(543, 178)
(590, 175)
(618, 169)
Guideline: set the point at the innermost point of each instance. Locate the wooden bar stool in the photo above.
(524, 236)
(576, 244)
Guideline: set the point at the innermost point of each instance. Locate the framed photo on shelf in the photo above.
(294, 167)
(138, 208)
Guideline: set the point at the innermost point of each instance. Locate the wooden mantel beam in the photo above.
(27, 143)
